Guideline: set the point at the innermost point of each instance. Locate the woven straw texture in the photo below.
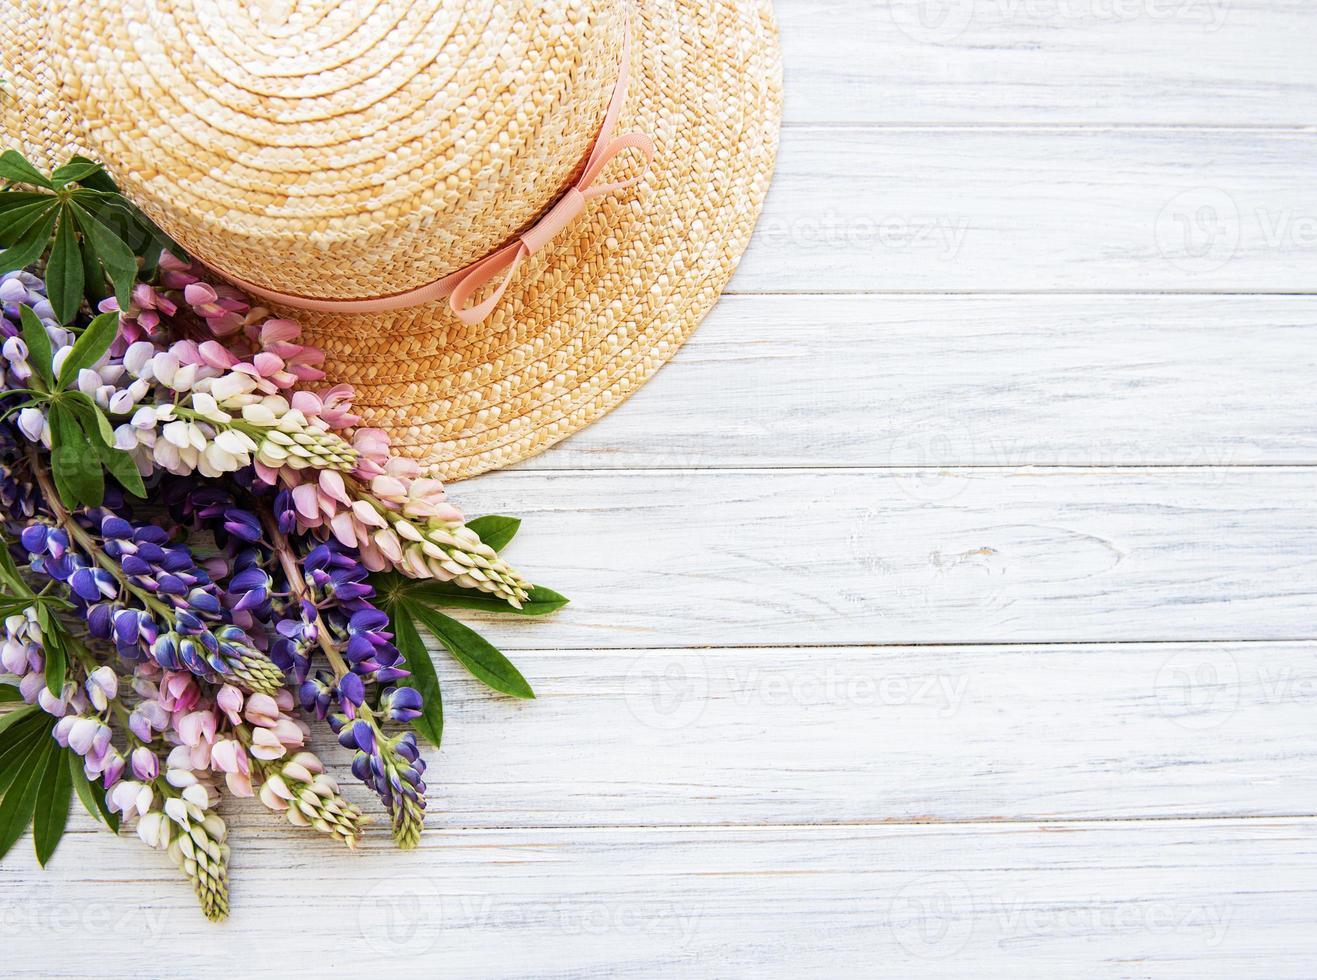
(363, 147)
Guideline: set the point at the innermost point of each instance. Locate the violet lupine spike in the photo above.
(157, 603)
(390, 765)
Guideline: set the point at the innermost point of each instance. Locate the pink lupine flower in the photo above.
(229, 700)
(197, 727)
(262, 710)
(266, 745)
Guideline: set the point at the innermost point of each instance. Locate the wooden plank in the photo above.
(854, 735)
(703, 558)
(855, 210)
(974, 380)
(1140, 62)
(1166, 898)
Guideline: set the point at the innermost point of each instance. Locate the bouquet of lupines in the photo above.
(283, 573)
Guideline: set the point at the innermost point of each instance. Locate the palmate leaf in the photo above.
(64, 272)
(89, 348)
(91, 794)
(75, 171)
(495, 530)
(19, 803)
(30, 244)
(473, 651)
(54, 794)
(15, 719)
(14, 167)
(391, 586)
(9, 694)
(430, 725)
(75, 464)
(19, 212)
(37, 779)
(38, 345)
(57, 656)
(117, 258)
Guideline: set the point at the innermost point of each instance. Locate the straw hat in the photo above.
(322, 151)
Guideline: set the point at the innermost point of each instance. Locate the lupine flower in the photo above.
(393, 767)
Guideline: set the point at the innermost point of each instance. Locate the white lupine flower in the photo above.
(232, 386)
(138, 360)
(149, 416)
(89, 381)
(235, 442)
(205, 406)
(154, 830)
(164, 365)
(259, 414)
(125, 438)
(57, 362)
(32, 423)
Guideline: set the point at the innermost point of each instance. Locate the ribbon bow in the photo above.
(459, 287)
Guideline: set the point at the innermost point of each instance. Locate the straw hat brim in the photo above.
(591, 317)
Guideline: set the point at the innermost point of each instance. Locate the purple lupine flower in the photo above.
(161, 605)
(401, 703)
(390, 765)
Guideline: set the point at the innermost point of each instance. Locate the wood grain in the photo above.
(789, 557)
(1132, 62)
(801, 736)
(1162, 898)
(898, 210)
(916, 381)
(945, 608)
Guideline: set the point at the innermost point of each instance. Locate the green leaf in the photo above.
(495, 530)
(95, 289)
(11, 200)
(122, 467)
(9, 694)
(93, 417)
(119, 261)
(18, 218)
(16, 717)
(474, 652)
(14, 167)
(97, 179)
(21, 797)
(18, 744)
(75, 464)
(29, 245)
(38, 345)
(91, 794)
(541, 601)
(64, 277)
(431, 723)
(76, 170)
(57, 661)
(52, 805)
(90, 347)
(9, 573)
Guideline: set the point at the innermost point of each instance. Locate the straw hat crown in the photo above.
(339, 148)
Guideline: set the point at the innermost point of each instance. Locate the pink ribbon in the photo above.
(459, 287)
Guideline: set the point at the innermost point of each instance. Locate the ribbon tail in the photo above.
(506, 260)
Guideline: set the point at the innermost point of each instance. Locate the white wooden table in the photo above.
(947, 607)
